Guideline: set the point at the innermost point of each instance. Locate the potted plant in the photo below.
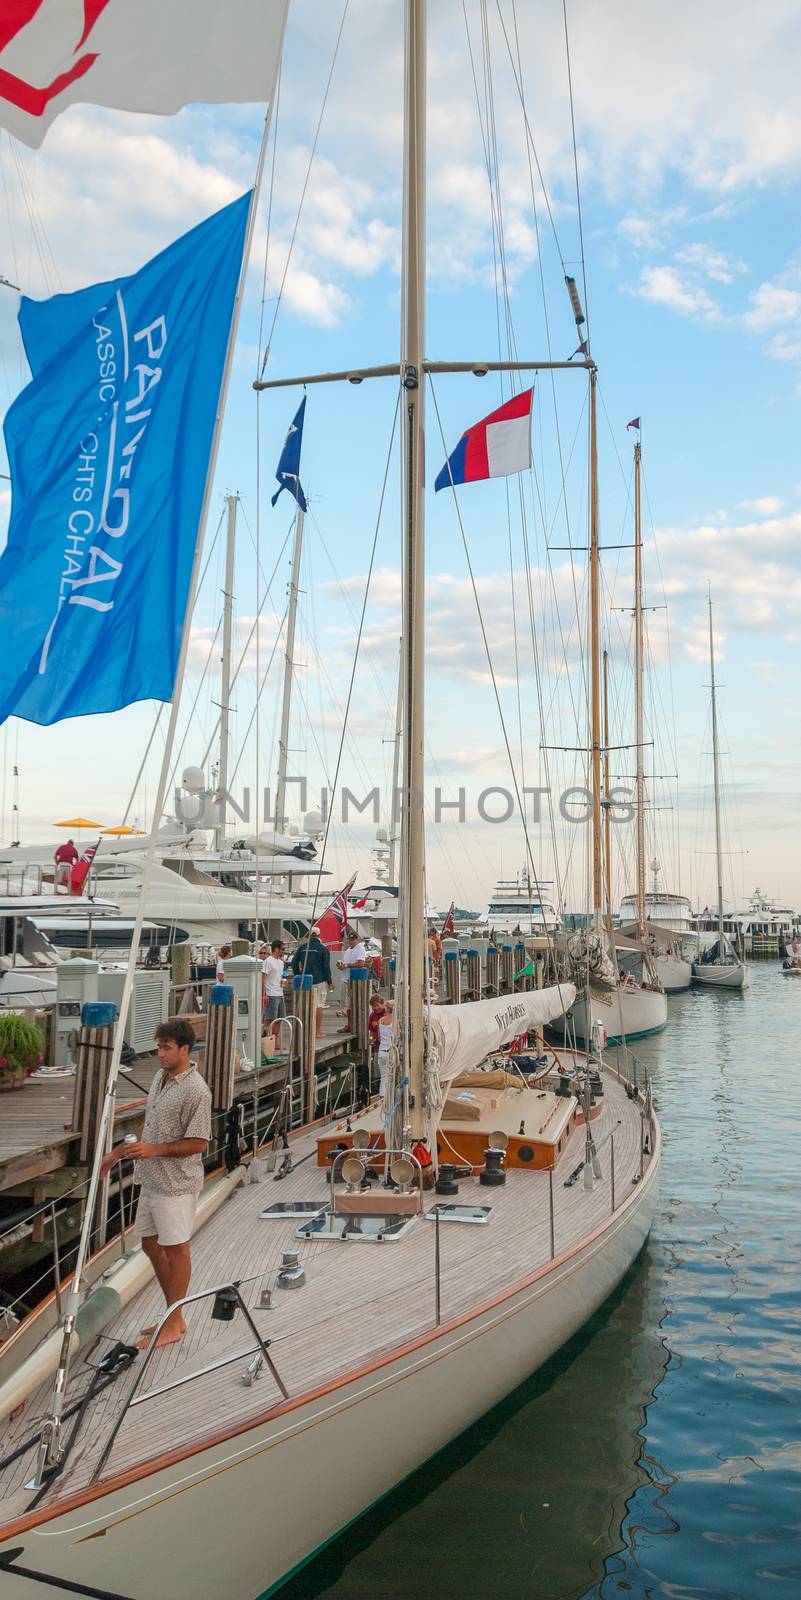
(21, 1047)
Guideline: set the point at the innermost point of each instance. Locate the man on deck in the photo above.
(169, 1168)
(65, 858)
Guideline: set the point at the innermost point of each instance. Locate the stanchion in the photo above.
(220, 1047)
(303, 1008)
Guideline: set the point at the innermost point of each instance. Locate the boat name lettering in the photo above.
(512, 1014)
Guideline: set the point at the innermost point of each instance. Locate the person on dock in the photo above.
(354, 955)
(385, 1027)
(65, 858)
(223, 954)
(169, 1168)
(311, 959)
(272, 968)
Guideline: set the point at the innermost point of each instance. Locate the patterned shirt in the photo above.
(177, 1107)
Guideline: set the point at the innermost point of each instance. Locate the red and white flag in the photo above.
(79, 872)
(447, 926)
(133, 55)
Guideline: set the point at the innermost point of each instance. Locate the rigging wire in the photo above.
(290, 250)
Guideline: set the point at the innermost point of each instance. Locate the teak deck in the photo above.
(360, 1299)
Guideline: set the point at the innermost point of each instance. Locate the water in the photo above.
(658, 1455)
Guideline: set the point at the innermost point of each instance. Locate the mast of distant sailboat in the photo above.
(716, 776)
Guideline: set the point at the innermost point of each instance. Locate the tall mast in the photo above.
(411, 886)
(718, 848)
(393, 804)
(595, 663)
(639, 734)
(231, 501)
(289, 663)
(607, 808)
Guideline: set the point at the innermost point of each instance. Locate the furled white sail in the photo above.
(466, 1034)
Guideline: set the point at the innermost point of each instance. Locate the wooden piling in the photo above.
(180, 978)
(493, 970)
(507, 969)
(453, 977)
(474, 975)
(220, 1043)
(303, 1045)
(360, 1009)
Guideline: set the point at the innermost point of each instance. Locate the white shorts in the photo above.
(171, 1217)
(320, 995)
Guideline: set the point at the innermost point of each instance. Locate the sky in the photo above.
(687, 249)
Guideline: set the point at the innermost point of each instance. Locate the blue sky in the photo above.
(689, 135)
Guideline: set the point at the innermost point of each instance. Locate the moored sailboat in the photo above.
(369, 1360)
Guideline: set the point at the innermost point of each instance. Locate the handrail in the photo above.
(261, 1348)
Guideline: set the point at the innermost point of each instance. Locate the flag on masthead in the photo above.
(494, 448)
(635, 423)
(147, 56)
(109, 449)
(288, 470)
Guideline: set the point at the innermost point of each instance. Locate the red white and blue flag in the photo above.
(495, 447)
(635, 423)
(79, 872)
(134, 55)
(333, 923)
(447, 926)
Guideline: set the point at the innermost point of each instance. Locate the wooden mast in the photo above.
(412, 874)
(639, 735)
(280, 815)
(607, 807)
(716, 774)
(595, 665)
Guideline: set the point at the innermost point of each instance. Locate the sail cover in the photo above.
(466, 1034)
(142, 56)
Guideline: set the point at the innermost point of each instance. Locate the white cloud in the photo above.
(769, 505)
(665, 286)
(771, 306)
(711, 263)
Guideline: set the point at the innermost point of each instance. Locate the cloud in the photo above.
(665, 286)
(711, 263)
(772, 306)
(768, 506)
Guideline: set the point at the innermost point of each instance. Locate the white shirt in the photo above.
(354, 956)
(384, 1037)
(273, 969)
(220, 970)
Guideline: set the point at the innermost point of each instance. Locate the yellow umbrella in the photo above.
(78, 822)
(124, 829)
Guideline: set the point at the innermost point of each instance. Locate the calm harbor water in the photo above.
(658, 1455)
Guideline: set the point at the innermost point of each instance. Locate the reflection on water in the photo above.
(657, 1455)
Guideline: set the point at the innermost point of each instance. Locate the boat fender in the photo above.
(98, 1309)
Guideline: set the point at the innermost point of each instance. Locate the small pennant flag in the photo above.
(288, 470)
(635, 423)
(580, 350)
(494, 448)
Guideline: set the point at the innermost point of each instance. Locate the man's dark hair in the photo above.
(277, 944)
(179, 1029)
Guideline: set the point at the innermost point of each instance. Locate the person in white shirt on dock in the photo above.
(273, 985)
(354, 955)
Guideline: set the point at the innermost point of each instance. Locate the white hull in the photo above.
(674, 973)
(627, 1012)
(729, 975)
(250, 1508)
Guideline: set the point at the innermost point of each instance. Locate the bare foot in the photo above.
(168, 1335)
(147, 1333)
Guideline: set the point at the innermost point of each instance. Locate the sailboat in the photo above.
(632, 1004)
(720, 966)
(380, 1319)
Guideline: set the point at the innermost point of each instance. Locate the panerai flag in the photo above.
(108, 449)
(493, 448)
(134, 55)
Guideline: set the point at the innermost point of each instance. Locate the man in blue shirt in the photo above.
(311, 960)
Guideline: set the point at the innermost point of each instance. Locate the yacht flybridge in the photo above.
(522, 905)
(346, 1326)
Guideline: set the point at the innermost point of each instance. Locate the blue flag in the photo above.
(288, 470)
(109, 448)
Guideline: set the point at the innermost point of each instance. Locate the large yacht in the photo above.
(522, 905)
